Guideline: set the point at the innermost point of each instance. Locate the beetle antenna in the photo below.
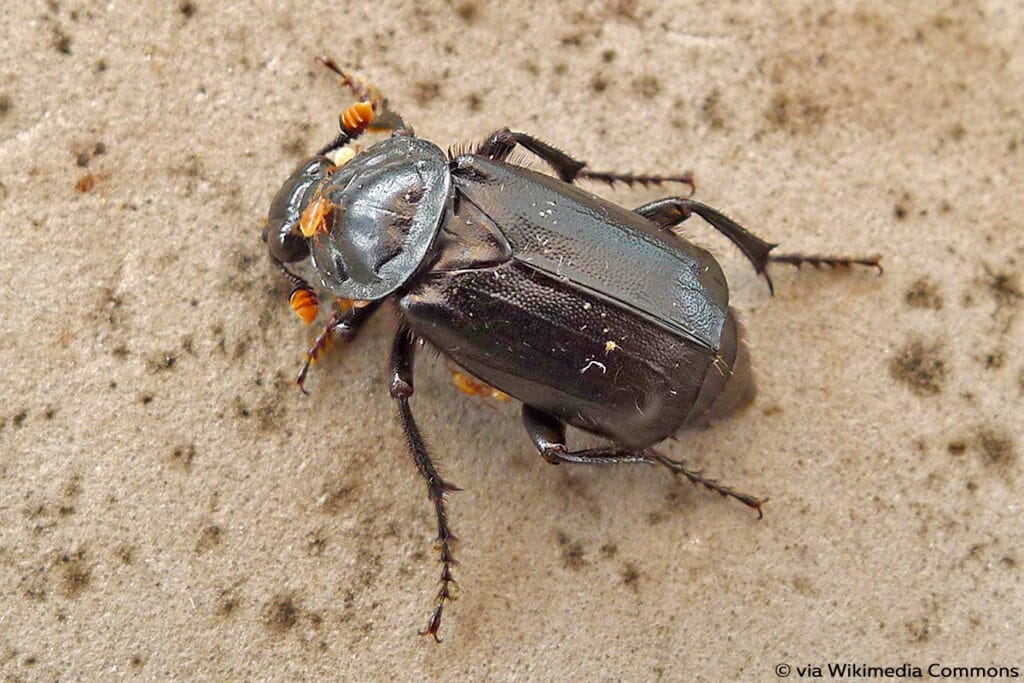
(359, 88)
(384, 119)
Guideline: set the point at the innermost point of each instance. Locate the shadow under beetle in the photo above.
(589, 313)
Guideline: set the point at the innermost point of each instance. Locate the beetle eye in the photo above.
(289, 247)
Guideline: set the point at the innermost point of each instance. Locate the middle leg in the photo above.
(501, 143)
(401, 388)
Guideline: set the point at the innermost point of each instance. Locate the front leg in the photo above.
(548, 435)
(401, 388)
(502, 141)
(342, 327)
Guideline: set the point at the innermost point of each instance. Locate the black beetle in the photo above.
(587, 312)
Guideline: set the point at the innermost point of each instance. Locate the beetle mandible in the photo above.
(588, 313)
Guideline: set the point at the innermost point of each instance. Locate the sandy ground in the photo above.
(171, 507)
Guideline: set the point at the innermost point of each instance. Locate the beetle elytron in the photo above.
(589, 313)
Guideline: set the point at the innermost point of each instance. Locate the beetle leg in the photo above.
(669, 212)
(831, 261)
(548, 435)
(502, 141)
(342, 326)
(401, 388)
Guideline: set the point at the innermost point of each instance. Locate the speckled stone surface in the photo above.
(171, 507)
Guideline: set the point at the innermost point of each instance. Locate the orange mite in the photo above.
(471, 386)
(314, 218)
(305, 304)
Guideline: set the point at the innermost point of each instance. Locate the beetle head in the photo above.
(285, 242)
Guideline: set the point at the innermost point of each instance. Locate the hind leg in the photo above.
(548, 435)
(669, 212)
